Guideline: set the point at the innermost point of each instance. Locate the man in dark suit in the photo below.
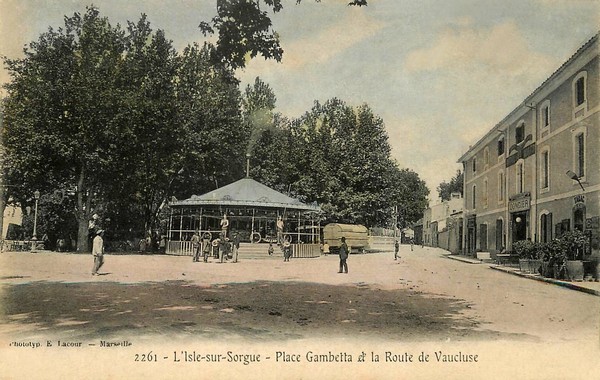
(344, 251)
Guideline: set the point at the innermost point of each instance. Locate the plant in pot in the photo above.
(525, 249)
(553, 257)
(535, 263)
(574, 244)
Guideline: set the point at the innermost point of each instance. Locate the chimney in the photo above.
(247, 165)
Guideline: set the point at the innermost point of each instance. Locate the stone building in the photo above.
(536, 173)
(442, 223)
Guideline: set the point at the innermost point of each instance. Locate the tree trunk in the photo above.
(83, 212)
(82, 235)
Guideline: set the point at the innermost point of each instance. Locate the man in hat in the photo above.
(196, 246)
(98, 251)
(344, 251)
(396, 249)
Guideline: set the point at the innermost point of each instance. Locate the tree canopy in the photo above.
(113, 122)
(339, 156)
(112, 115)
(245, 30)
(455, 185)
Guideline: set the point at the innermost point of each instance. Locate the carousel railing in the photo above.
(306, 250)
(183, 248)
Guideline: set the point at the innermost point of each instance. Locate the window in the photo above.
(545, 115)
(579, 91)
(474, 164)
(545, 163)
(520, 133)
(474, 200)
(520, 177)
(500, 186)
(501, 146)
(580, 155)
(579, 95)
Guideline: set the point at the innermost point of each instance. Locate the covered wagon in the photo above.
(357, 236)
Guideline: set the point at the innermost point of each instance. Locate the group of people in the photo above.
(222, 247)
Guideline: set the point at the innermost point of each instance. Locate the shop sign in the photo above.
(519, 204)
(521, 151)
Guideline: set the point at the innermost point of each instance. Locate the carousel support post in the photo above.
(169, 231)
(252, 227)
(200, 226)
(181, 226)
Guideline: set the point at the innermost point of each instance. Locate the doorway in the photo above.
(519, 226)
(499, 235)
(483, 237)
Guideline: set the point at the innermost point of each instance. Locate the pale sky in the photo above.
(440, 73)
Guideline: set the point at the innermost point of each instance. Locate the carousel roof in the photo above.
(246, 192)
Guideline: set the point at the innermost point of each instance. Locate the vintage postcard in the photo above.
(336, 189)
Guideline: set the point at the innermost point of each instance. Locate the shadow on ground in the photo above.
(257, 310)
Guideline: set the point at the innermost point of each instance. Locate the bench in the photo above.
(483, 256)
(505, 258)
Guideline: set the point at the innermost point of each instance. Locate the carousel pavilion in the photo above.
(255, 211)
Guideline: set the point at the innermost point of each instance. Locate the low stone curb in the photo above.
(464, 259)
(568, 285)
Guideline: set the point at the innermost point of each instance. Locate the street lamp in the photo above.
(574, 177)
(36, 195)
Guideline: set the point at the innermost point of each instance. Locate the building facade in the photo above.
(536, 174)
(442, 224)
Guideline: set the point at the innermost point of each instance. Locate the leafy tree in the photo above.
(119, 121)
(445, 189)
(258, 104)
(409, 194)
(272, 161)
(245, 30)
(209, 115)
(339, 156)
(59, 110)
(149, 137)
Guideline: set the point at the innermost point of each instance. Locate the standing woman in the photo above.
(344, 251)
(98, 251)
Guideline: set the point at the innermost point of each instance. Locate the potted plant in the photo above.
(574, 244)
(525, 249)
(552, 256)
(535, 263)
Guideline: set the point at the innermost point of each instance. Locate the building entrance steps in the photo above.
(258, 251)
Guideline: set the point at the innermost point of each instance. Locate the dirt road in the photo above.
(421, 300)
